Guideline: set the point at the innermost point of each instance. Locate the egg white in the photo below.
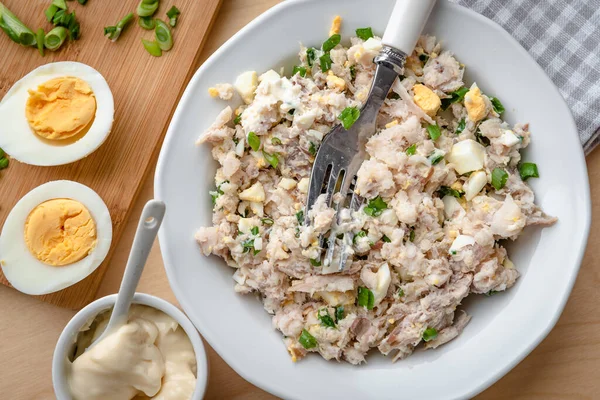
(28, 274)
(21, 143)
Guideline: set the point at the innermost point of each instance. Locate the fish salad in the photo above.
(444, 186)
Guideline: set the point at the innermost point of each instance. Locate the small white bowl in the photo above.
(67, 339)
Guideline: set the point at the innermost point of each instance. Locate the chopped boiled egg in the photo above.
(335, 82)
(475, 104)
(372, 44)
(383, 279)
(269, 76)
(426, 99)
(257, 208)
(473, 186)
(303, 185)
(460, 242)
(508, 220)
(451, 206)
(245, 84)
(254, 193)
(245, 225)
(509, 139)
(467, 156)
(287, 183)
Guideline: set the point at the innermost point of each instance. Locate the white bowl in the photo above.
(67, 339)
(504, 328)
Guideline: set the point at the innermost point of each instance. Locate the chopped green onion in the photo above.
(499, 177)
(490, 293)
(63, 18)
(364, 33)
(4, 163)
(411, 150)
(461, 126)
(275, 141)
(352, 72)
(446, 190)
(358, 235)
(151, 47)
(253, 141)
(237, 119)
(429, 334)
(497, 105)
(300, 217)
(400, 292)
(113, 32)
(173, 13)
(146, 23)
(50, 12)
(325, 61)
(375, 207)
(74, 29)
(271, 159)
(365, 298)
(16, 30)
(163, 35)
(455, 97)
(330, 43)
(386, 239)
(147, 8)
(423, 57)
(82, 2)
(248, 245)
(40, 40)
(436, 156)
(528, 170)
(2, 153)
(55, 38)
(312, 149)
(267, 221)
(310, 56)
(315, 262)
(307, 340)
(349, 116)
(254, 230)
(434, 131)
(339, 313)
(325, 319)
(299, 70)
(411, 235)
(60, 4)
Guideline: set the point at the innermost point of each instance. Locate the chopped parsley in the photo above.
(299, 70)
(434, 131)
(253, 141)
(497, 105)
(499, 177)
(349, 116)
(457, 96)
(429, 334)
(411, 150)
(307, 340)
(375, 207)
(364, 33)
(528, 170)
(330, 43)
(365, 298)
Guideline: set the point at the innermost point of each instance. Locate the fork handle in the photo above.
(406, 23)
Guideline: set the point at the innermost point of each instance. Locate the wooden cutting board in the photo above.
(145, 89)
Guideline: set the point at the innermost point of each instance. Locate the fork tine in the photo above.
(355, 204)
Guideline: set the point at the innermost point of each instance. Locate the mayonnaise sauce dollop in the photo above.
(149, 357)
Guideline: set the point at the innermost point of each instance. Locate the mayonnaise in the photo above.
(150, 356)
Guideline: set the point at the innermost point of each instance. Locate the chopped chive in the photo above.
(312, 149)
(330, 43)
(497, 105)
(173, 14)
(55, 38)
(364, 33)
(307, 340)
(50, 12)
(315, 262)
(429, 334)
(365, 298)
(325, 319)
(272, 159)
(461, 126)
(40, 39)
(339, 313)
(163, 35)
(147, 8)
(434, 131)
(113, 32)
(528, 170)
(146, 23)
(267, 221)
(299, 70)
(275, 141)
(411, 150)
(4, 163)
(310, 56)
(300, 217)
(386, 239)
(349, 116)
(253, 141)
(499, 177)
(325, 61)
(151, 47)
(455, 97)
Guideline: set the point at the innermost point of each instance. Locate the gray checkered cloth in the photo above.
(564, 38)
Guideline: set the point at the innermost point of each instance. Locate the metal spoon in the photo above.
(150, 221)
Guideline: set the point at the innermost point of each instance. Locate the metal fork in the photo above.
(342, 151)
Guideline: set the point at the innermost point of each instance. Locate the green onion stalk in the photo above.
(113, 32)
(152, 47)
(163, 35)
(56, 37)
(146, 22)
(147, 8)
(16, 30)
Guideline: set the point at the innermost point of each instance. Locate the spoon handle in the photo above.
(150, 221)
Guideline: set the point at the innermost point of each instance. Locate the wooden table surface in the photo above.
(566, 365)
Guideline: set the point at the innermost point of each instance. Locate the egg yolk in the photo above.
(426, 99)
(60, 232)
(60, 108)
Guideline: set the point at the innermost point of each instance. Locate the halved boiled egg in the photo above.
(54, 237)
(57, 114)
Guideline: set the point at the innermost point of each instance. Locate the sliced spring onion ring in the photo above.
(62, 4)
(147, 8)
(163, 35)
(152, 47)
(55, 38)
(173, 13)
(146, 22)
(16, 30)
